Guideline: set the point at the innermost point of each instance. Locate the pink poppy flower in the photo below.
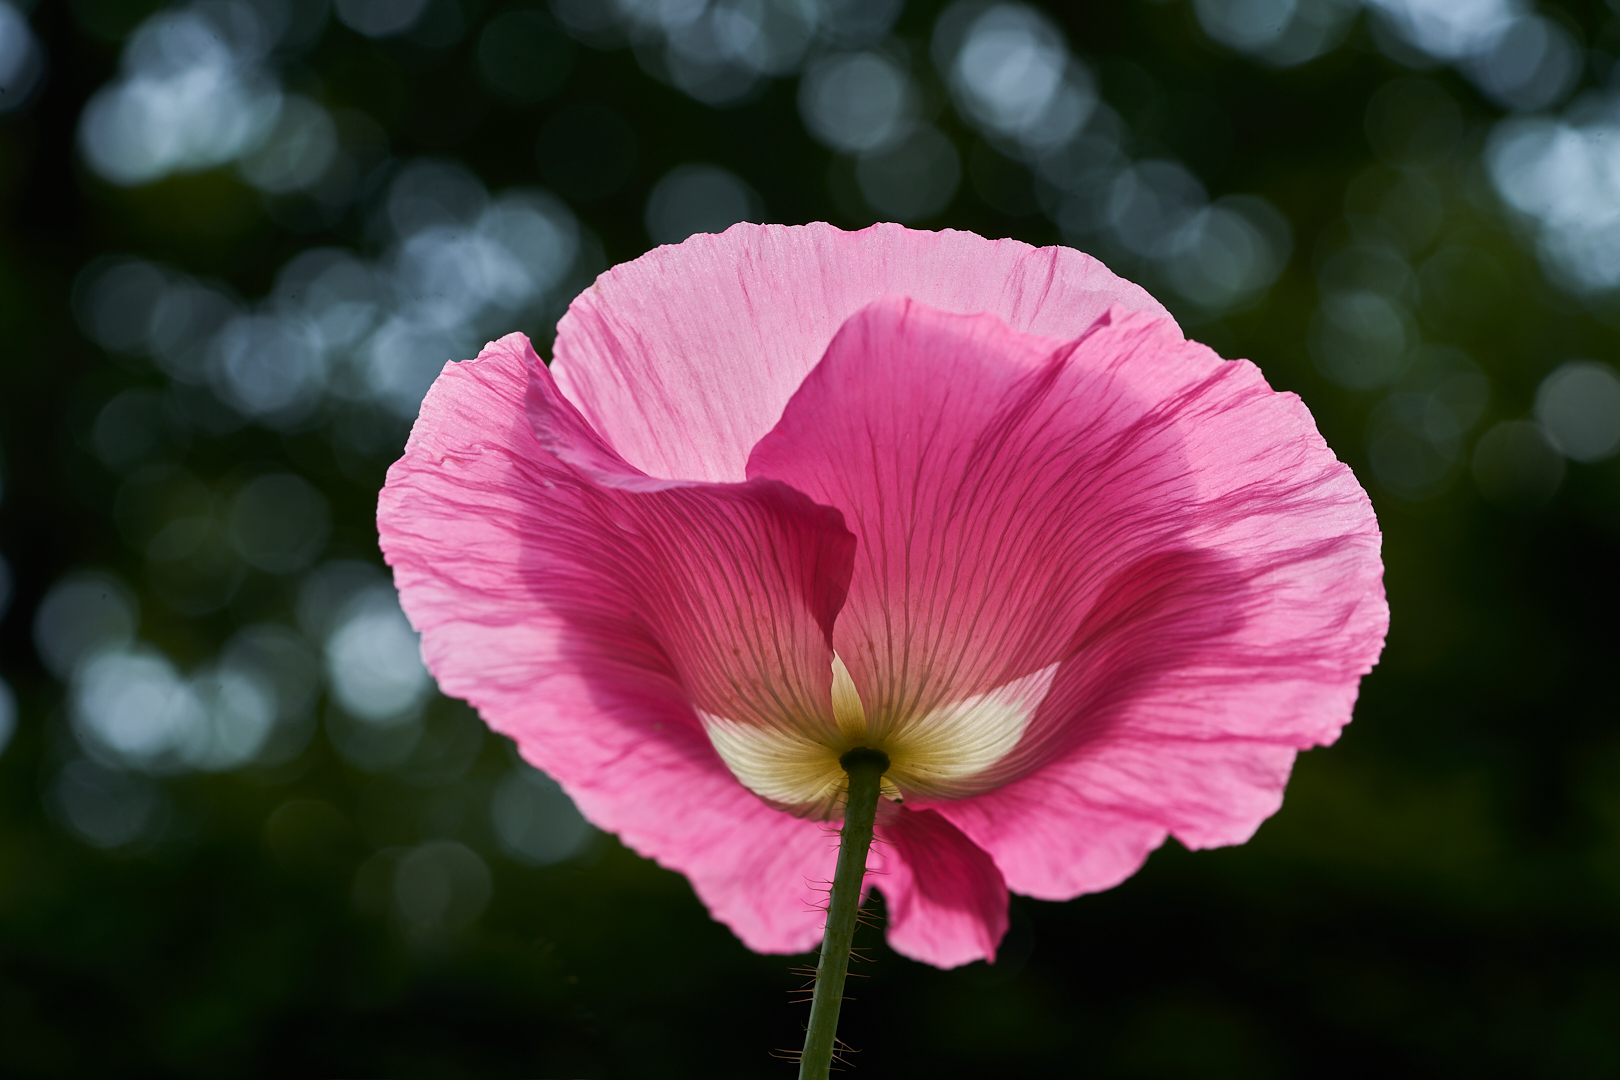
(788, 491)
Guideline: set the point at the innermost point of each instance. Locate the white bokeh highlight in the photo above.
(535, 820)
(460, 268)
(193, 94)
(1283, 33)
(1578, 408)
(83, 615)
(1012, 73)
(1013, 77)
(440, 887)
(1562, 176)
(858, 102)
(698, 198)
(723, 51)
(107, 808)
(379, 18)
(21, 58)
(374, 659)
(8, 714)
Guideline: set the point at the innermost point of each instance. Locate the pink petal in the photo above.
(979, 469)
(685, 357)
(946, 901)
(1087, 823)
(1155, 519)
(586, 619)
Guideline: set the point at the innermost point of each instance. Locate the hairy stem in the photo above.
(865, 768)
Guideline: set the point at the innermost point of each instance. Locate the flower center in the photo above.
(936, 754)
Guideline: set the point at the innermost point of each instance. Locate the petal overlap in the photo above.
(1152, 526)
(685, 357)
(590, 621)
(985, 474)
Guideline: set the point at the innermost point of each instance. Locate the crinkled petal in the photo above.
(1089, 822)
(1157, 522)
(946, 901)
(587, 619)
(685, 357)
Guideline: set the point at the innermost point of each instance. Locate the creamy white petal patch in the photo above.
(938, 754)
(781, 765)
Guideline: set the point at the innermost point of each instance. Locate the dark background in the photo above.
(342, 893)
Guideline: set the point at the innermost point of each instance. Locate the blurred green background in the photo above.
(240, 833)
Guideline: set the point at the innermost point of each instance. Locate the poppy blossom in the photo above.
(789, 491)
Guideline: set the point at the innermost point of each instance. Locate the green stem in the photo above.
(865, 768)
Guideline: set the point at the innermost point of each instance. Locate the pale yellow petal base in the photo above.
(936, 754)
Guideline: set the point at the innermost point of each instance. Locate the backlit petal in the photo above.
(1087, 823)
(685, 357)
(788, 767)
(1153, 525)
(946, 901)
(588, 621)
(941, 750)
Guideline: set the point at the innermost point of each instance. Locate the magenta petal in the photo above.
(685, 357)
(586, 619)
(981, 471)
(946, 901)
(1157, 527)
